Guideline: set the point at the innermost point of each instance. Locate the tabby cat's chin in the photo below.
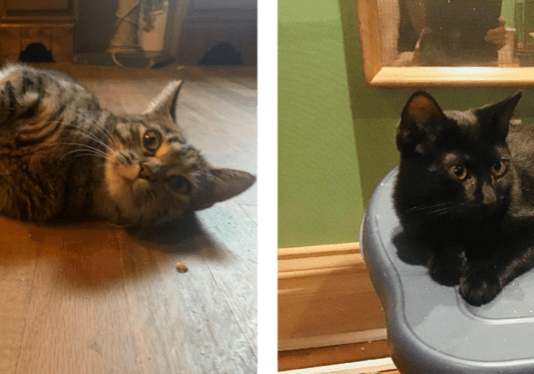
(140, 185)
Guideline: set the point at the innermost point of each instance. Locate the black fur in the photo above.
(465, 191)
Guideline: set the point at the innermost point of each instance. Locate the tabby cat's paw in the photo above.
(478, 290)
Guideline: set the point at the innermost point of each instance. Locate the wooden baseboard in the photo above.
(328, 340)
(324, 356)
(382, 366)
(325, 299)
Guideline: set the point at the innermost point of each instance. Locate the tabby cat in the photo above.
(62, 157)
(465, 191)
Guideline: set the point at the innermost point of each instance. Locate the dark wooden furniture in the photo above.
(48, 22)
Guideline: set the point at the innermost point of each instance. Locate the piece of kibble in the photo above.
(181, 267)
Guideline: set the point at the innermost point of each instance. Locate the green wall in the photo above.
(336, 133)
(319, 187)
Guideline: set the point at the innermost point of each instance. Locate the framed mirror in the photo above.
(447, 42)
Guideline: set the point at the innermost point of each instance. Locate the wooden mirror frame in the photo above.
(378, 75)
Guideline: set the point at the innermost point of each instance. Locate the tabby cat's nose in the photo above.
(145, 172)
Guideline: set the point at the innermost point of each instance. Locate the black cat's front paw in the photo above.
(447, 271)
(478, 290)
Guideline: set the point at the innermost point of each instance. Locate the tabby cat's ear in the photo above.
(496, 117)
(167, 101)
(222, 184)
(420, 119)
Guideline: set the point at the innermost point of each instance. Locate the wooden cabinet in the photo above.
(48, 22)
(212, 22)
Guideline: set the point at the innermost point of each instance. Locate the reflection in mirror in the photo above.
(457, 32)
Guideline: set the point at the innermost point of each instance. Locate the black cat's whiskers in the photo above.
(429, 206)
(430, 212)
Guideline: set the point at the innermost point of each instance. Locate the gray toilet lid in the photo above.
(431, 329)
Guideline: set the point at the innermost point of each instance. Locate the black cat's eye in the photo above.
(500, 168)
(151, 140)
(458, 171)
(179, 184)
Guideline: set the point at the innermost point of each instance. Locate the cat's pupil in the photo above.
(151, 140)
(499, 168)
(459, 171)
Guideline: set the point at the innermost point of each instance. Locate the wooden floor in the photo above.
(94, 299)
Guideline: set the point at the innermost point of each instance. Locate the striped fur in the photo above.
(63, 157)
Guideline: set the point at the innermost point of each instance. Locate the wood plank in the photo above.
(318, 250)
(332, 339)
(78, 318)
(192, 308)
(18, 256)
(371, 44)
(241, 279)
(308, 358)
(375, 366)
(453, 76)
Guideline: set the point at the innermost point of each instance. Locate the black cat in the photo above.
(465, 190)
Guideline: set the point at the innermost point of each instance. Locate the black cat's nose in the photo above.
(488, 195)
(145, 172)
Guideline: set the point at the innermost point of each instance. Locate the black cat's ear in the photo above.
(167, 101)
(419, 118)
(498, 116)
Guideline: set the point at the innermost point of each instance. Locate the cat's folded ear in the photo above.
(167, 101)
(221, 184)
(496, 117)
(420, 120)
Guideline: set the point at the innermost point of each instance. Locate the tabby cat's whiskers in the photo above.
(86, 133)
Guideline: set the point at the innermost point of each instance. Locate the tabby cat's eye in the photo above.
(499, 168)
(151, 140)
(179, 184)
(458, 171)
